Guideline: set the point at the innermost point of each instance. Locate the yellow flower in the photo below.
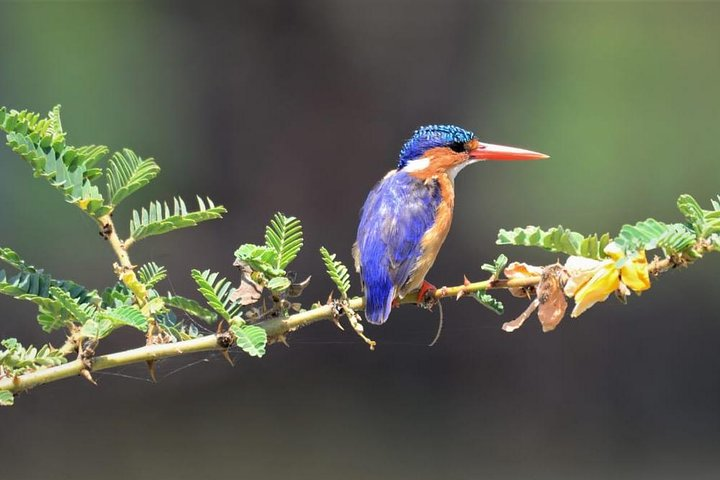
(131, 282)
(591, 281)
(83, 203)
(634, 272)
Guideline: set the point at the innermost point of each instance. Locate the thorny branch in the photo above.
(276, 328)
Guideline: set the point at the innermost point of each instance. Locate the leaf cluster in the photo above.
(489, 302)
(76, 173)
(673, 238)
(283, 242)
(218, 295)
(496, 268)
(556, 239)
(159, 218)
(16, 359)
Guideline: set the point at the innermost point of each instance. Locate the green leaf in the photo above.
(87, 157)
(691, 209)
(41, 142)
(48, 163)
(9, 256)
(488, 301)
(126, 315)
(16, 359)
(649, 234)
(284, 236)
(52, 317)
(259, 258)
(35, 287)
(158, 218)
(556, 239)
(117, 295)
(169, 322)
(279, 284)
(80, 312)
(46, 132)
(337, 271)
(496, 268)
(97, 328)
(127, 173)
(191, 307)
(7, 398)
(677, 238)
(216, 292)
(151, 274)
(251, 338)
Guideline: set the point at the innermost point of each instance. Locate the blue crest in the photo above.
(432, 136)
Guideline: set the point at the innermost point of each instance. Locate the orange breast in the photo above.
(433, 239)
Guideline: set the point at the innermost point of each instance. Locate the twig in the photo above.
(276, 328)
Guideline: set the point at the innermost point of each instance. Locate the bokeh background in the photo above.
(301, 107)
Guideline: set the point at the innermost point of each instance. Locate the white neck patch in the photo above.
(418, 164)
(452, 172)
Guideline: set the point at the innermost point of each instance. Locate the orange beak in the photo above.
(488, 151)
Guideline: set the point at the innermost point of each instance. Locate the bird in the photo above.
(407, 215)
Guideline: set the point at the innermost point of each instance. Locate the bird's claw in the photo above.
(426, 295)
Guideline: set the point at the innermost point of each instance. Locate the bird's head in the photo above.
(435, 149)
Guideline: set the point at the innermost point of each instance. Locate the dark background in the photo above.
(301, 107)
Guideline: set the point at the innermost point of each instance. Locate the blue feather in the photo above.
(396, 214)
(431, 136)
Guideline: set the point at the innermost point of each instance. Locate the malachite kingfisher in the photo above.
(407, 215)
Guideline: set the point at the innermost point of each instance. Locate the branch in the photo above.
(275, 328)
(107, 230)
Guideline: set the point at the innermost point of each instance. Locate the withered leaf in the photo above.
(551, 297)
(249, 291)
(517, 323)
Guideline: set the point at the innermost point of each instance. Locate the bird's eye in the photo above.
(458, 147)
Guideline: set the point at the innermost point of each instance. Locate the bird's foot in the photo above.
(426, 295)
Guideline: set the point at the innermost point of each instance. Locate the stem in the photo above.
(125, 270)
(107, 229)
(274, 327)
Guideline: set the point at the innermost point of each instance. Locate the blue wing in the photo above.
(396, 214)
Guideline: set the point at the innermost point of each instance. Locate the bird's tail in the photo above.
(378, 302)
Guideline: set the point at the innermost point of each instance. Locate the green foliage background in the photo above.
(268, 107)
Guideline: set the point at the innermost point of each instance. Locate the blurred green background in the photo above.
(301, 107)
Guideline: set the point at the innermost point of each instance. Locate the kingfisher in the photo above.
(408, 213)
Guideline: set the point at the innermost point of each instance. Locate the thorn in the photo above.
(151, 369)
(460, 294)
(85, 373)
(226, 355)
(336, 321)
(283, 339)
(219, 328)
(466, 282)
(330, 299)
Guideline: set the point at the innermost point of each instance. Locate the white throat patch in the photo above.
(452, 172)
(418, 164)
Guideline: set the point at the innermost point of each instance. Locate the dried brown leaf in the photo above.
(249, 291)
(517, 323)
(551, 297)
